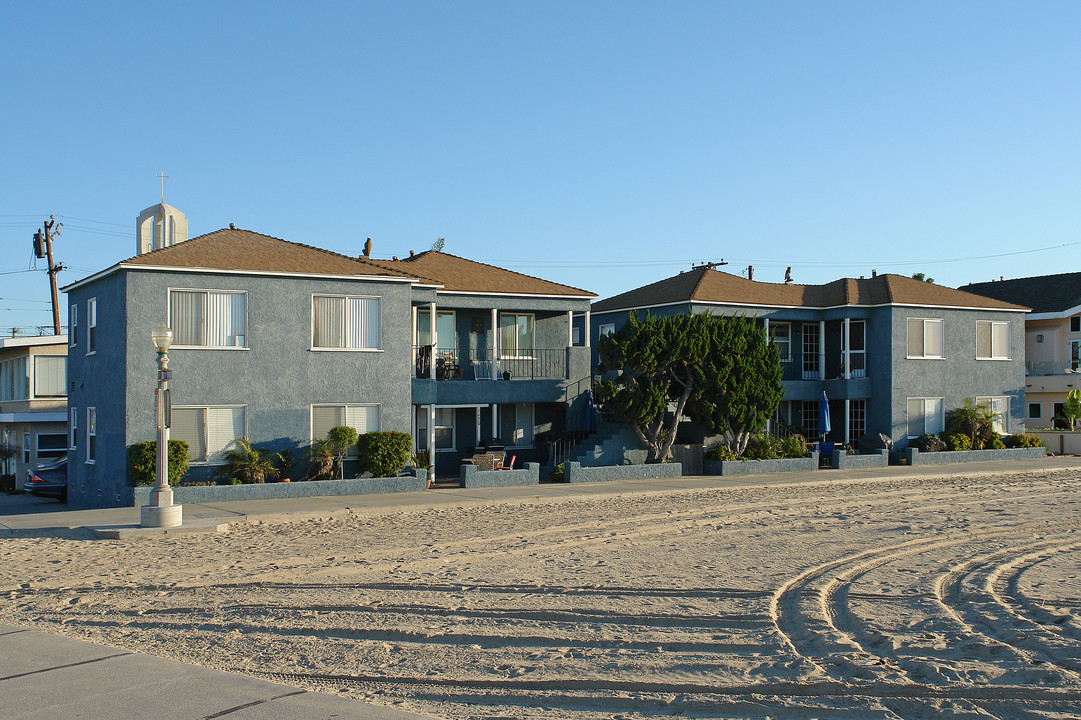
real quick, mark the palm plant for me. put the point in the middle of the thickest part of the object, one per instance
(320, 460)
(341, 438)
(971, 420)
(250, 464)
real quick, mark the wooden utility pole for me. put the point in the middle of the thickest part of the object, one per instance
(43, 248)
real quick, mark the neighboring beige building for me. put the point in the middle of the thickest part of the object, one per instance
(1052, 339)
(33, 401)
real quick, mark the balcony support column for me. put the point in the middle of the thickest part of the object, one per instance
(431, 328)
(495, 336)
(848, 407)
(585, 329)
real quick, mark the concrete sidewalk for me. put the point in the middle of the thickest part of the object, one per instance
(25, 515)
(48, 676)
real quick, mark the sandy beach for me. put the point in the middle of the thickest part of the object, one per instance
(897, 598)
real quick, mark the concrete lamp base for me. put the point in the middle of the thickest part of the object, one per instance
(161, 517)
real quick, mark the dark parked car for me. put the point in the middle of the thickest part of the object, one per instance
(49, 480)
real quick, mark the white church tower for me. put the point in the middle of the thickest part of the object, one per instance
(159, 225)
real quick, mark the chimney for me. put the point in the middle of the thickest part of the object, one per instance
(1001, 278)
(412, 253)
(395, 257)
(232, 226)
(750, 272)
(874, 273)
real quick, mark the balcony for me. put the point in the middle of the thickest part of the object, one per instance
(795, 369)
(457, 364)
(1048, 367)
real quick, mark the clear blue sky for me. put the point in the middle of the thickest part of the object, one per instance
(601, 144)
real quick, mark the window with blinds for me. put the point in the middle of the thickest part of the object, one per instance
(362, 418)
(14, 382)
(208, 431)
(925, 338)
(208, 318)
(515, 335)
(50, 376)
(345, 322)
(992, 340)
(91, 326)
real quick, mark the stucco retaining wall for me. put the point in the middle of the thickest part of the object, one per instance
(575, 473)
(755, 467)
(1060, 441)
(844, 461)
(473, 478)
(274, 491)
(949, 457)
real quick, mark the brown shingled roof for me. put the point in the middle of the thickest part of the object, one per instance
(458, 274)
(232, 249)
(705, 285)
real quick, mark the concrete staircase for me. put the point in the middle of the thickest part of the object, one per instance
(612, 443)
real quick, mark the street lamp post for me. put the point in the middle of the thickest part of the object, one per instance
(161, 512)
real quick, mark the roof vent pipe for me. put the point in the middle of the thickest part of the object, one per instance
(395, 257)
(750, 272)
(412, 253)
(874, 273)
(232, 226)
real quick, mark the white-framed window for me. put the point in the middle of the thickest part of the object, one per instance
(999, 407)
(992, 340)
(345, 322)
(576, 335)
(73, 428)
(208, 318)
(91, 435)
(420, 413)
(925, 338)
(91, 326)
(926, 416)
(14, 379)
(781, 333)
(857, 419)
(810, 351)
(809, 418)
(208, 430)
(50, 376)
(606, 329)
(516, 425)
(857, 351)
(26, 447)
(444, 429)
(1035, 411)
(52, 445)
(73, 325)
(362, 418)
(515, 335)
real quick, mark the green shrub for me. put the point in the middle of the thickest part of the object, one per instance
(762, 447)
(793, 446)
(957, 441)
(996, 443)
(341, 438)
(558, 473)
(384, 454)
(1021, 440)
(929, 443)
(720, 452)
(143, 460)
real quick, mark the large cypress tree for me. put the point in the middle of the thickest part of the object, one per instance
(720, 372)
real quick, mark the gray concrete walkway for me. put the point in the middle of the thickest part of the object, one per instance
(48, 676)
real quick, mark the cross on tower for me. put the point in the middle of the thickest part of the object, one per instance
(162, 176)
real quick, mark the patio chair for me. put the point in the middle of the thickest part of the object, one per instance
(509, 465)
(484, 462)
(482, 370)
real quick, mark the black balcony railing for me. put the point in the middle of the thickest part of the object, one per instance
(458, 364)
(795, 369)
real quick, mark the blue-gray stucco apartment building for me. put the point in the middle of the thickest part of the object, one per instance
(892, 353)
(279, 341)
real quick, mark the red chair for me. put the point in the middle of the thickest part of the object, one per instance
(509, 465)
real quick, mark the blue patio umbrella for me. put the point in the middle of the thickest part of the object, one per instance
(824, 415)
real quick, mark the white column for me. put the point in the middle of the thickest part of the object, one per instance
(495, 337)
(413, 341)
(765, 326)
(495, 421)
(570, 328)
(848, 365)
(821, 349)
(848, 403)
(585, 329)
(476, 412)
(431, 330)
